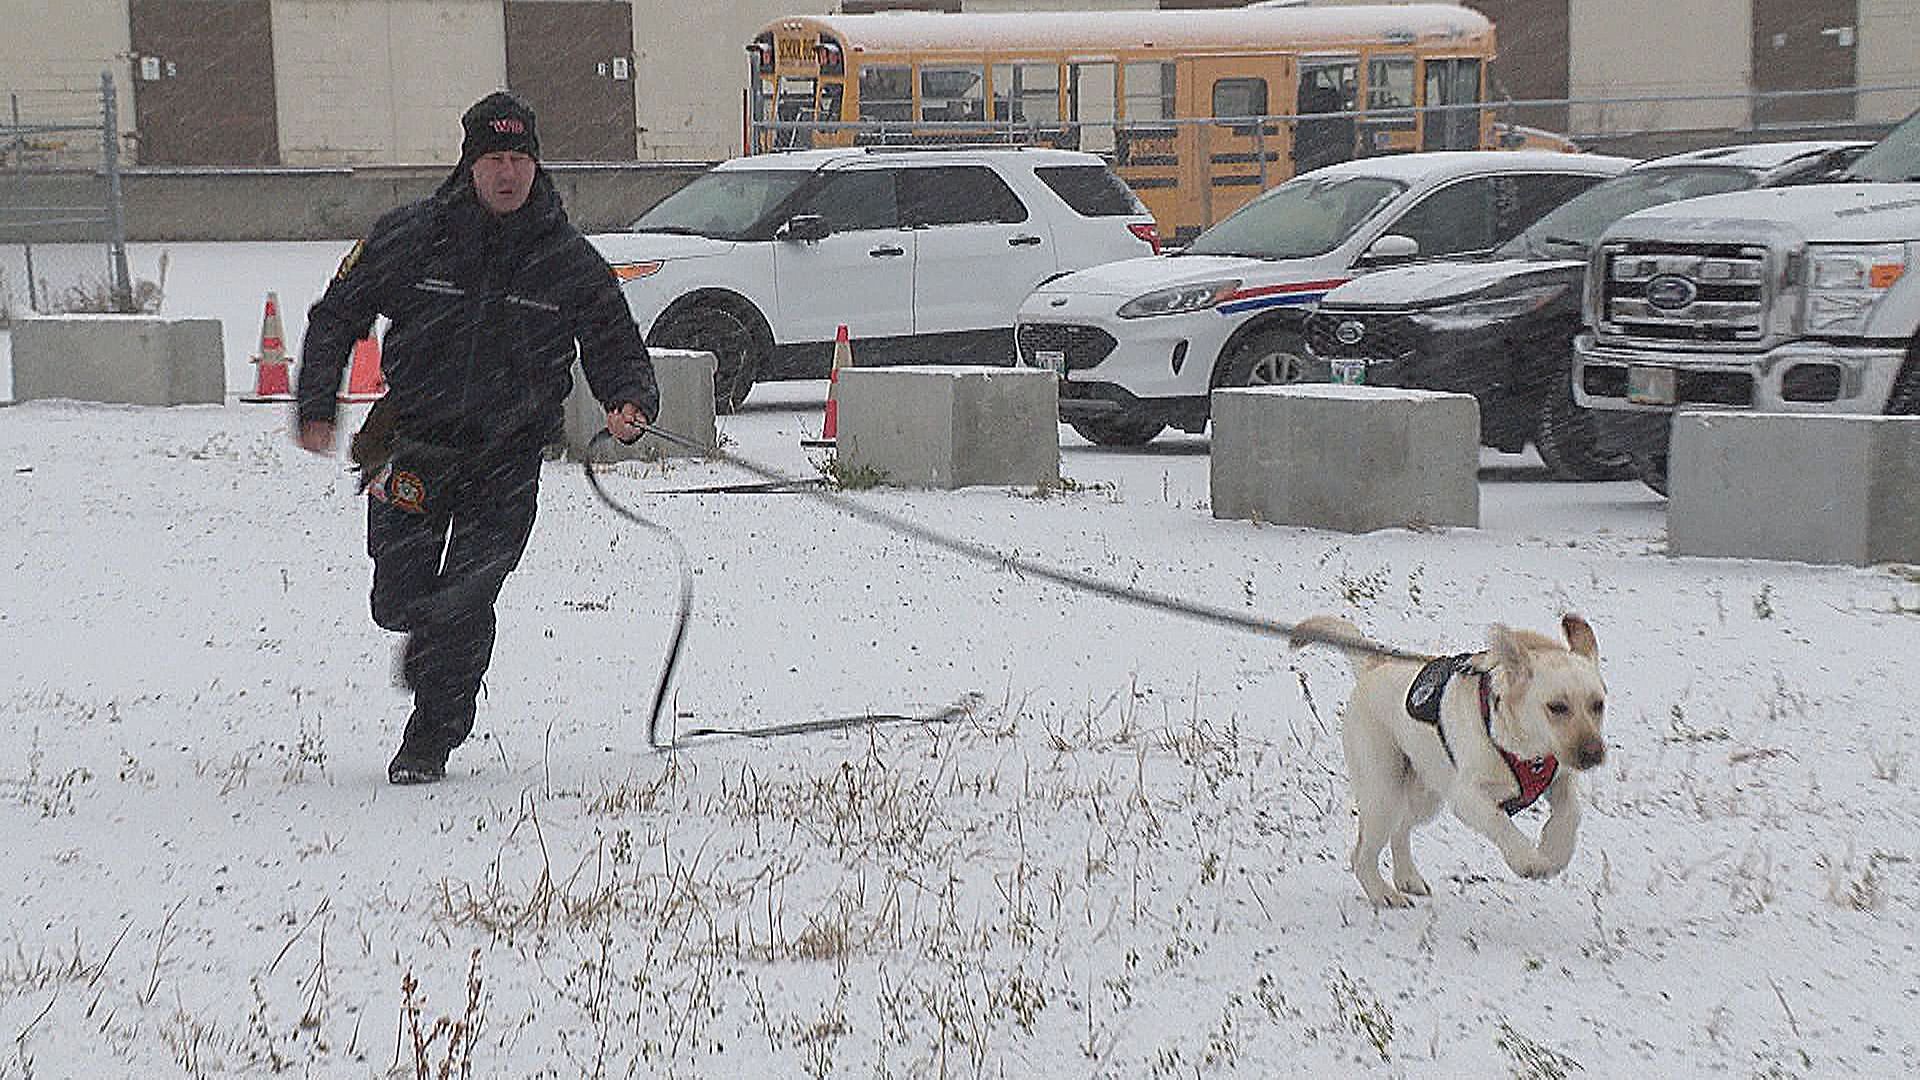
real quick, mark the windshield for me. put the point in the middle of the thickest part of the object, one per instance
(725, 205)
(1573, 227)
(1894, 159)
(1300, 218)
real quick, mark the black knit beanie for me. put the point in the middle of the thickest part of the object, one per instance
(499, 121)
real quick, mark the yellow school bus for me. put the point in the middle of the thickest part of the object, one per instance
(1198, 110)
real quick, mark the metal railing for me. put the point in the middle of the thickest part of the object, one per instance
(1027, 130)
(31, 147)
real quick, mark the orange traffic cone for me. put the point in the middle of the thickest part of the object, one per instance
(842, 357)
(364, 381)
(270, 380)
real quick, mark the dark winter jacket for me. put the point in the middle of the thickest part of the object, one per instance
(484, 314)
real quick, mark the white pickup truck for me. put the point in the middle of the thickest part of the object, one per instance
(1788, 300)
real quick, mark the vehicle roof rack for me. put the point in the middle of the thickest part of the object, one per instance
(905, 148)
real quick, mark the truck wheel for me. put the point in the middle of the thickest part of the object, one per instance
(1652, 471)
(1122, 430)
(1566, 439)
(1905, 399)
(736, 340)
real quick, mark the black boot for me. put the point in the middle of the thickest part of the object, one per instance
(411, 766)
(423, 752)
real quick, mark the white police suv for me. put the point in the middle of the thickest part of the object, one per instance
(923, 253)
(1141, 344)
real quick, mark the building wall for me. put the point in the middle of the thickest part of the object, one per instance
(51, 55)
(382, 81)
(690, 70)
(1889, 56)
(1624, 48)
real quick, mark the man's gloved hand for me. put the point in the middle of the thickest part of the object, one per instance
(626, 422)
(372, 446)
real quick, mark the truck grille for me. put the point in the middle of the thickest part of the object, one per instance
(1084, 346)
(1381, 337)
(1684, 292)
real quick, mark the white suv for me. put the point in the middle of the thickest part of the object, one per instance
(1143, 343)
(923, 254)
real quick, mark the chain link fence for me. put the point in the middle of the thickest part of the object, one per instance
(46, 138)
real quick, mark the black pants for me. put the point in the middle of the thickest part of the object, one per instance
(436, 575)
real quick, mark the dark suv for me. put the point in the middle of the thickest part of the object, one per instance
(1501, 327)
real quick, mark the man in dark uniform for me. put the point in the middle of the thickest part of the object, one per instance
(487, 289)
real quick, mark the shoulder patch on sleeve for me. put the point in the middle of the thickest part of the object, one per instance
(353, 258)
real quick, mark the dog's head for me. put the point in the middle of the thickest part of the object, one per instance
(1552, 699)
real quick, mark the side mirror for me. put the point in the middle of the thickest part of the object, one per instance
(1391, 248)
(805, 228)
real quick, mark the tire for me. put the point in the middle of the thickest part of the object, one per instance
(738, 341)
(1272, 357)
(1905, 399)
(1652, 472)
(1566, 440)
(1122, 430)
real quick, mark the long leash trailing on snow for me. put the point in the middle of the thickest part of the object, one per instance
(773, 479)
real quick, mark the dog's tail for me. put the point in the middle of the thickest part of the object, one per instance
(1340, 634)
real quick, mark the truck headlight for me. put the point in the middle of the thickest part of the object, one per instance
(1471, 314)
(1178, 300)
(1846, 283)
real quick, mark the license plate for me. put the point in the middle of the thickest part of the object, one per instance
(1650, 385)
(1349, 372)
(1054, 360)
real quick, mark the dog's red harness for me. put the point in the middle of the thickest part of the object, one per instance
(1423, 704)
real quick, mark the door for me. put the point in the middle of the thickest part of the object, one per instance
(1450, 82)
(203, 82)
(1804, 45)
(1236, 159)
(573, 62)
(1327, 85)
(860, 275)
(980, 251)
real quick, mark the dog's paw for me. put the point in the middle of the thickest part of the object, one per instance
(1534, 866)
(1411, 883)
(1390, 898)
(1555, 862)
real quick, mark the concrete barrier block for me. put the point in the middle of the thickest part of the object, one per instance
(1795, 487)
(950, 426)
(686, 408)
(1348, 458)
(119, 360)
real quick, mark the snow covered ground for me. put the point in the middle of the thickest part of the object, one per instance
(1128, 862)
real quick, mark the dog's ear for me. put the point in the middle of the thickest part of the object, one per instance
(1509, 651)
(1580, 636)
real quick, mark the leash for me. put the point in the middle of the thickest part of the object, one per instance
(1071, 579)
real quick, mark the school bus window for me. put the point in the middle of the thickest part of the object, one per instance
(1240, 97)
(1149, 93)
(886, 92)
(1090, 104)
(1027, 93)
(1390, 83)
(796, 100)
(1326, 86)
(1452, 82)
(833, 100)
(953, 93)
